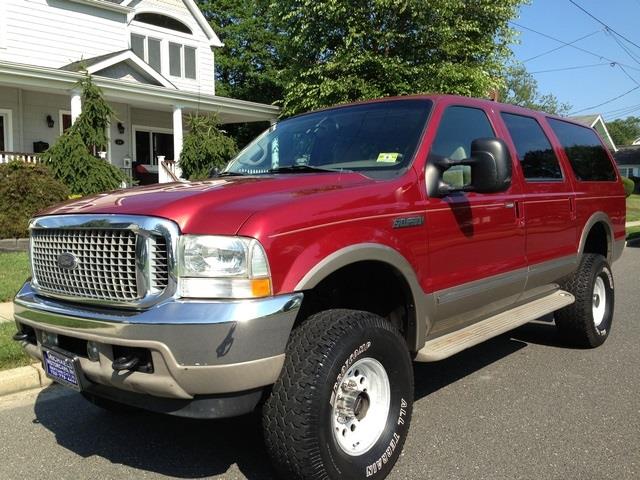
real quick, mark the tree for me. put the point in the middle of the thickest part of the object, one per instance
(342, 50)
(624, 131)
(72, 157)
(247, 65)
(205, 146)
(521, 89)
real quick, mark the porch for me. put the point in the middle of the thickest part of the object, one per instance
(145, 139)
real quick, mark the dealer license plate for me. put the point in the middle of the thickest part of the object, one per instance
(61, 368)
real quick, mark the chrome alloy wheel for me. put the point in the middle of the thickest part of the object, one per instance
(361, 407)
(599, 301)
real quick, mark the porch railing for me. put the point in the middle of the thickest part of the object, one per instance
(6, 157)
(168, 172)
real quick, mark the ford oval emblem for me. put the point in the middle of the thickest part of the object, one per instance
(67, 261)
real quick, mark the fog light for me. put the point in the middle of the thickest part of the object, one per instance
(93, 352)
(50, 339)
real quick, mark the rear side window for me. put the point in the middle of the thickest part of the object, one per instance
(586, 154)
(537, 158)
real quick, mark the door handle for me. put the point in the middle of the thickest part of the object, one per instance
(509, 204)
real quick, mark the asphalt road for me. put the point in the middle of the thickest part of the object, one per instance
(521, 406)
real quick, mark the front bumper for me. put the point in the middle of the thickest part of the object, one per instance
(197, 347)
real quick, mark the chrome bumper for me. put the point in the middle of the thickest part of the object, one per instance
(197, 347)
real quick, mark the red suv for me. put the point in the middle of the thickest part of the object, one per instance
(334, 250)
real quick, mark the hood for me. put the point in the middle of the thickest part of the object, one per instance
(218, 205)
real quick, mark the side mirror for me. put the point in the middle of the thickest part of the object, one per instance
(490, 164)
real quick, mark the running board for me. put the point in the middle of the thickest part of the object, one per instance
(452, 343)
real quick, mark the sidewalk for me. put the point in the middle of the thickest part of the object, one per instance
(632, 224)
(6, 312)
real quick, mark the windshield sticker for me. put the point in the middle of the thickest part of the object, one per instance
(388, 157)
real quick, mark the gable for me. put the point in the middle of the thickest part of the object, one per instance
(124, 71)
(186, 11)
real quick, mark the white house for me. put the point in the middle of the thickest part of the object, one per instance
(153, 59)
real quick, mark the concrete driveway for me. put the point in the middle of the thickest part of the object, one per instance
(521, 406)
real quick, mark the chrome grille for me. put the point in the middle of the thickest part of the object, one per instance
(105, 258)
(159, 264)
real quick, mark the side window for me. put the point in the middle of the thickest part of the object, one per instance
(538, 160)
(459, 126)
(588, 158)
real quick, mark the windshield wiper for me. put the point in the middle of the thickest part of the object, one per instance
(228, 174)
(304, 169)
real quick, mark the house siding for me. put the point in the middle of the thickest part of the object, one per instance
(53, 33)
(36, 107)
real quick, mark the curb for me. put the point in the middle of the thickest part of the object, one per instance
(6, 312)
(22, 378)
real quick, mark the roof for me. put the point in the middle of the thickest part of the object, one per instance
(162, 98)
(628, 155)
(96, 64)
(588, 120)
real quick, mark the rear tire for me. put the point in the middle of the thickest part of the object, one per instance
(587, 322)
(342, 405)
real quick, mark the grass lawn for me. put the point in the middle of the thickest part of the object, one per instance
(14, 270)
(633, 233)
(11, 354)
(633, 208)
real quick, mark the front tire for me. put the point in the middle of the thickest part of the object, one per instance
(342, 405)
(587, 322)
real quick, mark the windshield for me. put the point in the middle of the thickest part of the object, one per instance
(378, 139)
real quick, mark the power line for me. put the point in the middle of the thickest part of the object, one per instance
(561, 46)
(606, 102)
(576, 67)
(604, 24)
(623, 47)
(568, 44)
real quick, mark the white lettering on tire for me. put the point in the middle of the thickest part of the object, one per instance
(376, 466)
(345, 367)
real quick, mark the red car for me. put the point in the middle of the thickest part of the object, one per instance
(334, 250)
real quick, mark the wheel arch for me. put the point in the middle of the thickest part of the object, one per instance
(382, 254)
(598, 220)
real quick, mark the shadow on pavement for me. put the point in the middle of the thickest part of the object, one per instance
(176, 447)
(187, 448)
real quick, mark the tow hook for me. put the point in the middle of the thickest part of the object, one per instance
(125, 363)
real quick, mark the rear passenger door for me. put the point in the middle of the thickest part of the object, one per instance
(548, 204)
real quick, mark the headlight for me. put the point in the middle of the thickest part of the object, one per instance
(222, 267)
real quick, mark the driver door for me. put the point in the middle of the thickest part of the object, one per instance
(477, 263)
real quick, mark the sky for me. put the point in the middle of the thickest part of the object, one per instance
(598, 82)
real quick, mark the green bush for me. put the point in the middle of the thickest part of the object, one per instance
(72, 158)
(205, 146)
(25, 189)
(84, 174)
(629, 186)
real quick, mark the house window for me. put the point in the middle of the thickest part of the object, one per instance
(6, 132)
(64, 120)
(148, 49)
(163, 21)
(182, 61)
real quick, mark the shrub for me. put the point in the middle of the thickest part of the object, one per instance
(629, 186)
(72, 158)
(25, 189)
(84, 174)
(205, 146)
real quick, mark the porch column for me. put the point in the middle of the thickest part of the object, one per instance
(76, 105)
(177, 132)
